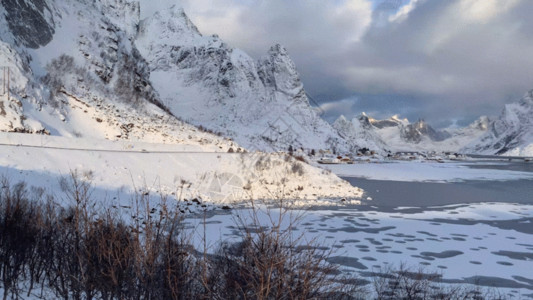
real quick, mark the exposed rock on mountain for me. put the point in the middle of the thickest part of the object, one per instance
(82, 76)
(393, 121)
(31, 22)
(88, 70)
(97, 52)
(414, 133)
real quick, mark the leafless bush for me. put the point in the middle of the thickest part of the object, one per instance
(300, 158)
(297, 168)
(406, 283)
(79, 252)
(263, 162)
(271, 262)
(17, 235)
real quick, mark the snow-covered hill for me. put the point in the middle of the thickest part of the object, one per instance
(511, 133)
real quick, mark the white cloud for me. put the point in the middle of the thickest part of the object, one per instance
(404, 11)
(484, 10)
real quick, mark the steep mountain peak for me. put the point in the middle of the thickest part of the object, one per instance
(393, 121)
(278, 71)
(341, 119)
(172, 25)
(527, 100)
(278, 49)
(421, 125)
(397, 118)
(417, 131)
(177, 20)
(261, 104)
(364, 120)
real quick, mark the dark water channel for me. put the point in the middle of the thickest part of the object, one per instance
(388, 194)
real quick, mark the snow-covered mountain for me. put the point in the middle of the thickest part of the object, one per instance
(511, 133)
(261, 104)
(401, 135)
(95, 69)
(414, 133)
(393, 121)
(117, 96)
(101, 49)
(361, 130)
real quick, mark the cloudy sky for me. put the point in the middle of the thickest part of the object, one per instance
(447, 62)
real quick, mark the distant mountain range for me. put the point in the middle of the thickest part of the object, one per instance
(509, 134)
(395, 134)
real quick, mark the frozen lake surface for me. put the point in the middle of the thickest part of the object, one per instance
(471, 221)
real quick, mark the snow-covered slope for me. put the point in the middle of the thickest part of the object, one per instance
(16, 85)
(262, 105)
(511, 133)
(361, 130)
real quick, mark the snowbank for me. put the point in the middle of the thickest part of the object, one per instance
(119, 169)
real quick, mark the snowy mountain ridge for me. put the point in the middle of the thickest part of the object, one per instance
(511, 133)
(100, 53)
(398, 134)
(261, 104)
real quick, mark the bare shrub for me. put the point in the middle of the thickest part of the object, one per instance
(408, 283)
(79, 252)
(271, 262)
(300, 158)
(17, 235)
(297, 168)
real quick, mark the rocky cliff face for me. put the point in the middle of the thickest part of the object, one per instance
(511, 133)
(100, 52)
(31, 23)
